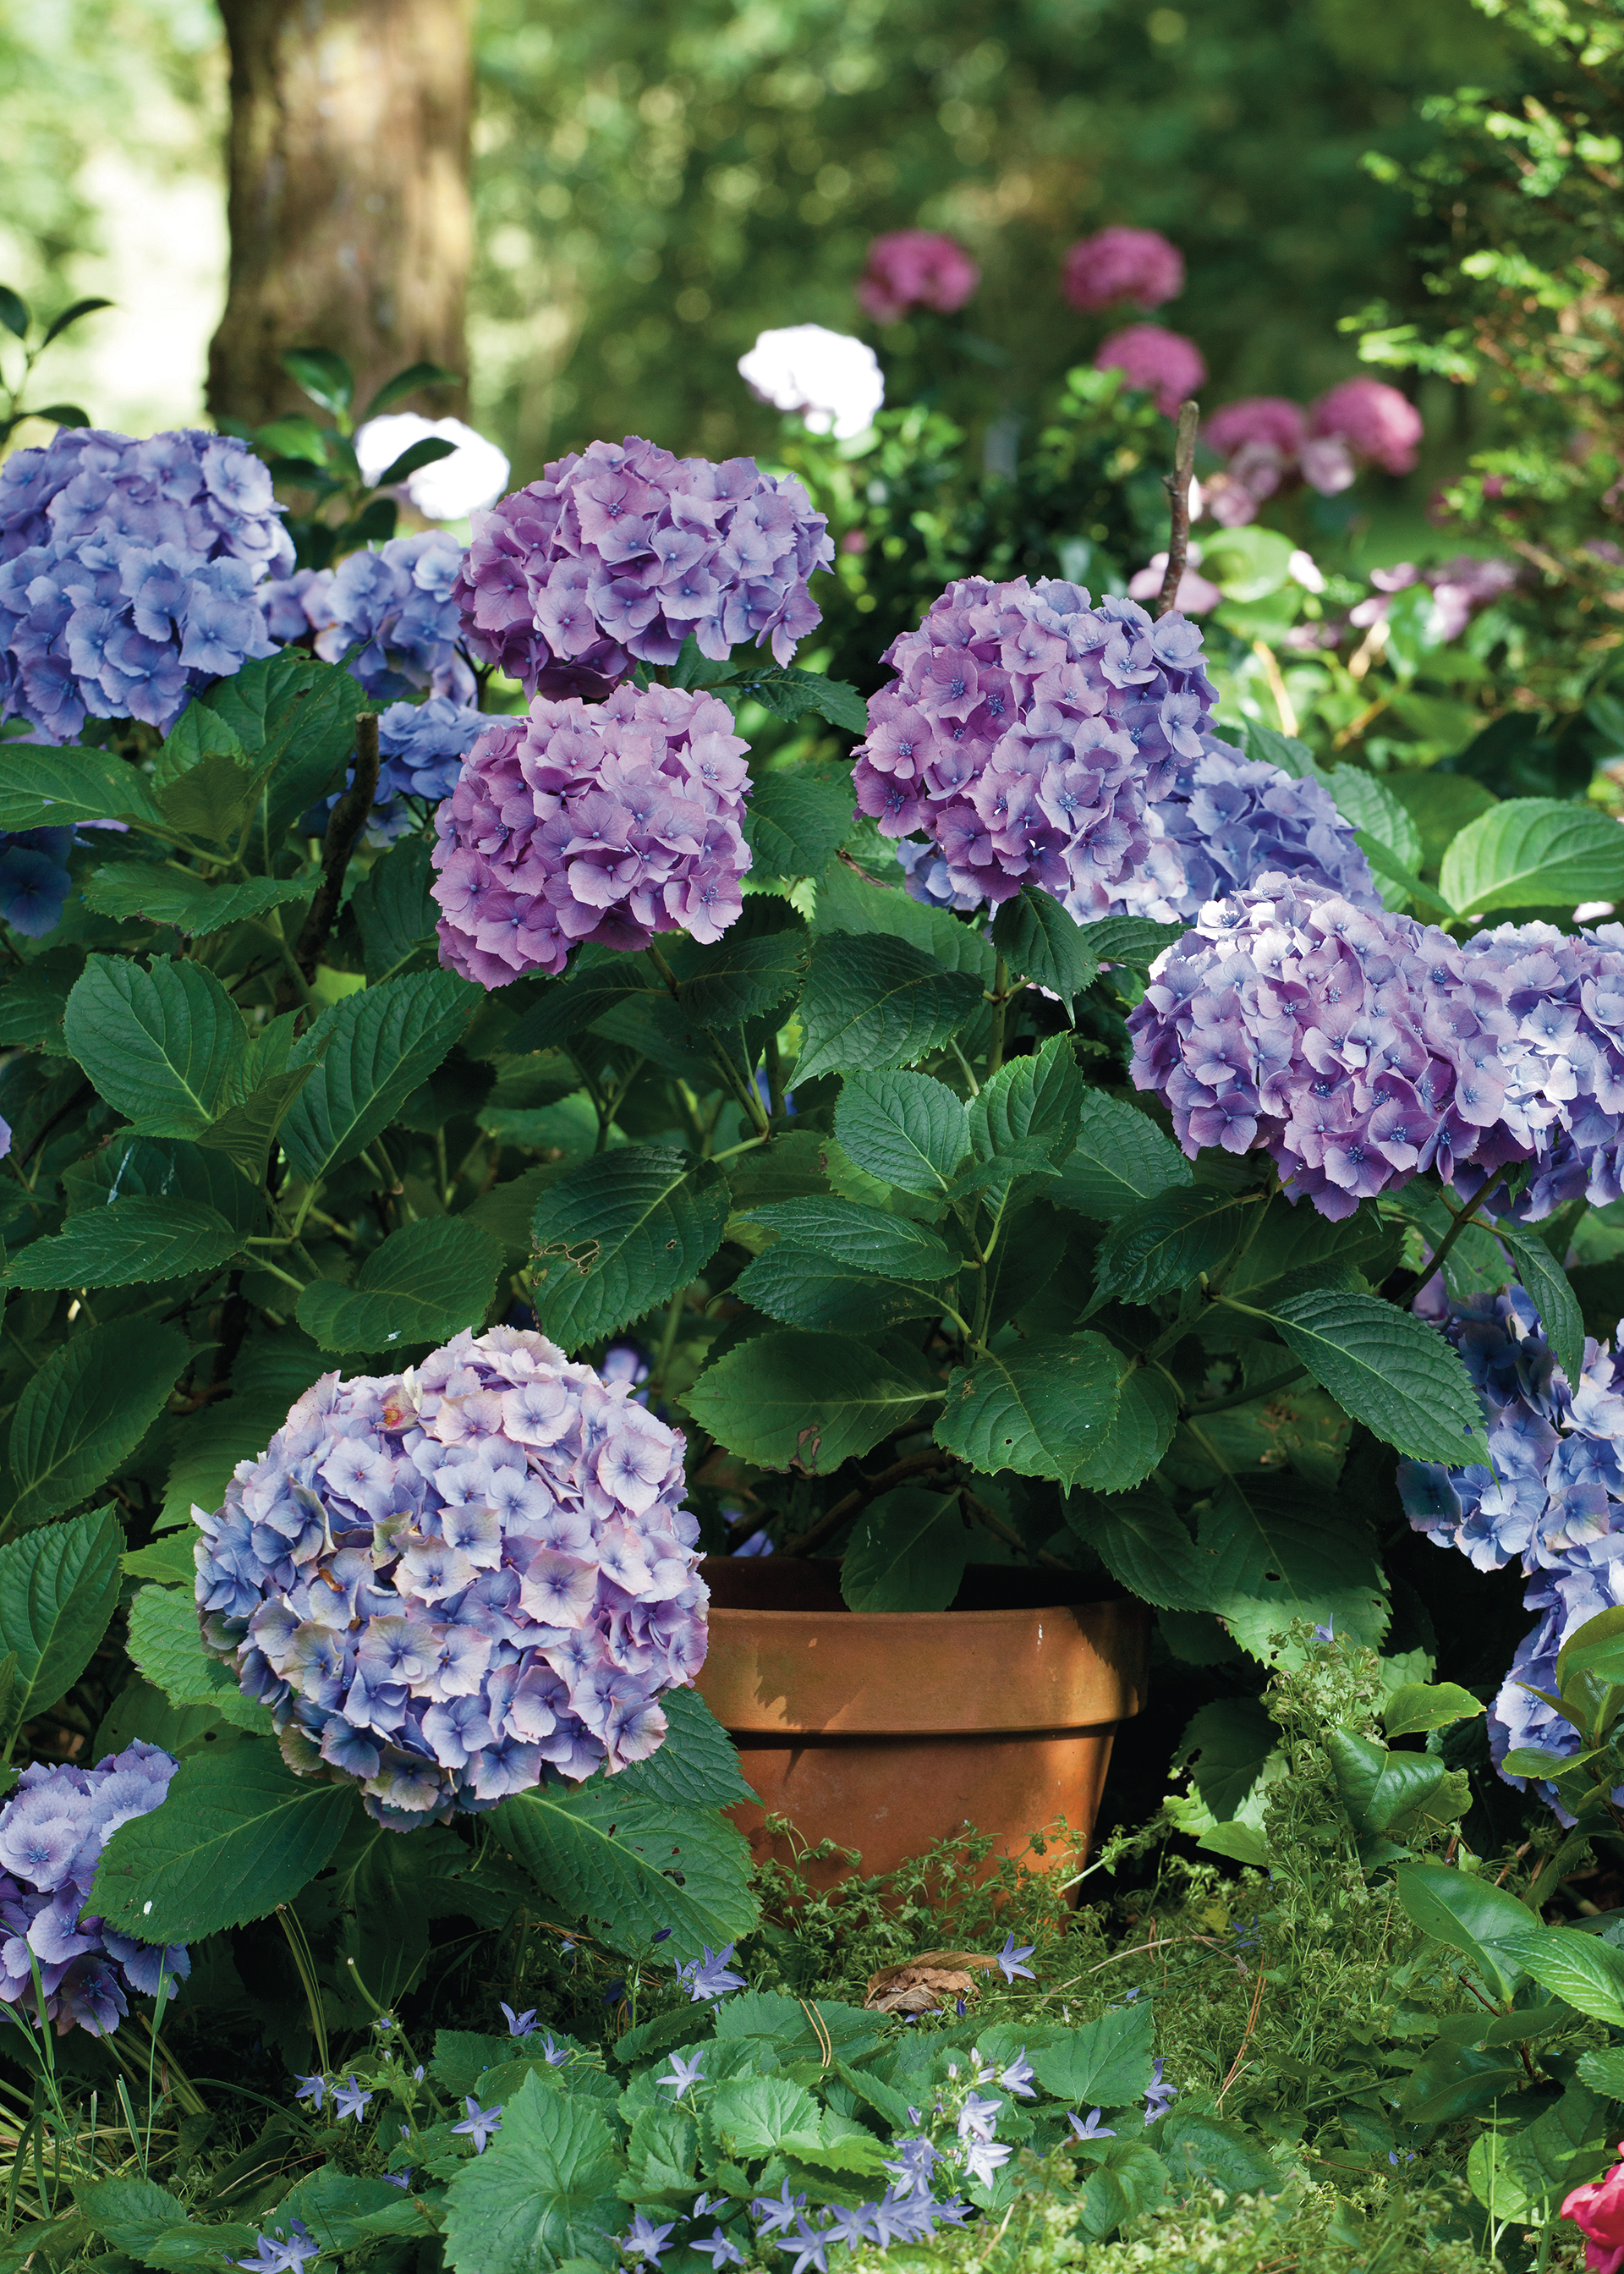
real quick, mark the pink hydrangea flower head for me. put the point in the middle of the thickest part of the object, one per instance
(1377, 423)
(915, 269)
(1360, 1049)
(455, 1583)
(1031, 738)
(1162, 363)
(1122, 264)
(619, 552)
(1597, 2209)
(1271, 419)
(608, 822)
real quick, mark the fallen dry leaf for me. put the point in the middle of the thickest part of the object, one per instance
(926, 1983)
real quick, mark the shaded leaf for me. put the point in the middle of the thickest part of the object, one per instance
(796, 819)
(424, 1284)
(88, 1407)
(126, 1243)
(906, 1553)
(163, 1045)
(810, 1398)
(370, 1051)
(905, 1129)
(1390, 1370)
(1041, 1408)
(872, 1003)
(618, 1235)
(630, 1866)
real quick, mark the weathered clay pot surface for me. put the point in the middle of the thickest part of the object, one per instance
(888, 1731)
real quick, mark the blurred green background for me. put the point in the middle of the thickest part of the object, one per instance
(657, 180)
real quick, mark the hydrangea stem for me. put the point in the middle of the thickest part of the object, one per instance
(1000, 1011)
(744, 1091)
(348, 819)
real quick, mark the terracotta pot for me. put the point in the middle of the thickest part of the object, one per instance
(888, 1731)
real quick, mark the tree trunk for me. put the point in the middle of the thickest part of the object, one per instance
(349, 197)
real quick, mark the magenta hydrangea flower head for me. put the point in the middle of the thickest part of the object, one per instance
(1271, 419)
(1122, 264)
(453, 1583)
(1552, 1502)
(1162, 363)
(52, 1832)
(619, 553)
(391, 609)
(130, 575)
(915, 269)
(1360, 1049)
(608, 822)
(1377, 423)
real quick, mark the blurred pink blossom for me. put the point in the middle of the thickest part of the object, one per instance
(1375, 421)
(1165, 364)
(1196, 595)
(1122, 264)
(1269, 419)
(915, 269)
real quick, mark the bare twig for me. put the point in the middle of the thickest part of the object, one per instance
(344, 827)
(1178, 486)
(1251, 2023)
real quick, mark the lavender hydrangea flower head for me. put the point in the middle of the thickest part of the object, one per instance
(397, 603)
(620, 553)
(1026, 732)
(451, 1584)
(130, 575)
(1360, 1049)
(52, 1832)
(1035, 740)
(605, 822)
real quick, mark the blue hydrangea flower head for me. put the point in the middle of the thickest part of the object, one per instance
(421, 747)
(1360, 1049)
(131, 575)
(451, 1584)
(1552, 1502)
(392, 604)
(52, 1832)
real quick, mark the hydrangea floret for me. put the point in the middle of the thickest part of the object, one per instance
(52, 1832)
(450, 1584)
(1359, 1048)
(607, 822)
(1553, 1502)
(1034, 739)
(620, 553)
(130, 575)
(390, 609)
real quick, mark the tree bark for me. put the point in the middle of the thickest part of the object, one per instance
(348, 194)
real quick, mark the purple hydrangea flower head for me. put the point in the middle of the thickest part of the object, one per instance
(608, 822)
(130, 575)
(52, 1832)
(1033, 739)
(618, 553)
(395, 604)
(1165, 365)
(451, 1584)
(1360, 1049)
